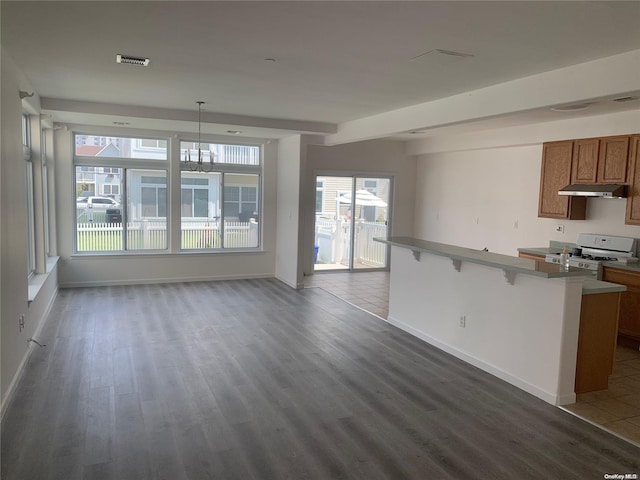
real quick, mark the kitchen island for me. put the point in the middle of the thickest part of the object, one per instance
(516, 318)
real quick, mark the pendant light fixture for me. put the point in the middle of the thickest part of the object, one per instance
(199, 165)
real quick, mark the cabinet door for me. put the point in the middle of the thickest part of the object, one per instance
(629, 320)
(556, 173)
(633, 202)
(584, 166)
(613, 160)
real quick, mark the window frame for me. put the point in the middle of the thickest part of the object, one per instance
(222, 168)
(29, 194)
(320, 187)
(172, 167)
(105, 165)
(134, 139)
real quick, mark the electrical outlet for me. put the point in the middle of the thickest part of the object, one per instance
(560, 228)
(515, 224)
(20, 323)
(463, 321)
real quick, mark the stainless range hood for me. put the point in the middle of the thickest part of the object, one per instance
(594, 190)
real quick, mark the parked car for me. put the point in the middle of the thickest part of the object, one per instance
(96, 203)
(98, 209)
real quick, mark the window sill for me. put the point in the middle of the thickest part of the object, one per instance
(107, 255)
(37, 281)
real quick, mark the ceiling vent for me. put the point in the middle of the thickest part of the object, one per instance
(571, 108)
(625, 99)
(441, 57)
(143, 62)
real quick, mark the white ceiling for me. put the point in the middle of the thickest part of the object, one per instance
(335, 62)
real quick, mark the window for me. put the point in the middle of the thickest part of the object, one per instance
(370, 185)
(222, 154)
(45, 191)
(29, 192)
(240, 202)
(130, 211)
(111, 189)
(152, 143)
(221, 209)
(120, 147)
(154, 196)
(319, 196)
(123, 196)
(195, 194)
(368, 212)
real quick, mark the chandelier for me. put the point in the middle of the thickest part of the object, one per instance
(198, 165)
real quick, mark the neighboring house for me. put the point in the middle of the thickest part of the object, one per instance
(200, 194)
(98, 181)
(329, 189)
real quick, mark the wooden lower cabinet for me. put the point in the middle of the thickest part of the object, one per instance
(530, 256)
(597, 337)
(629, 319)
(596, 341)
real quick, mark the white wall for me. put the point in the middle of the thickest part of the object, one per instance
(481, 190)
(14, 288)
(373, 157)
(94, 270)
(508, 332)
(287, 268)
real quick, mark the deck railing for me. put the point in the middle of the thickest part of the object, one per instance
(333, 241)
(370, 252)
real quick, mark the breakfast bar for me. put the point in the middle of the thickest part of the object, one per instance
(516, 318)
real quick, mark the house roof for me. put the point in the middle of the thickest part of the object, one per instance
(344, 70)
(89, 150)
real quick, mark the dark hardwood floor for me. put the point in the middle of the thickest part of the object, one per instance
(253, 380)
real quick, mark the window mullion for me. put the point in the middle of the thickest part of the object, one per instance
(222, 220)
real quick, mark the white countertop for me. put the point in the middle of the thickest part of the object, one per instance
(496, 260)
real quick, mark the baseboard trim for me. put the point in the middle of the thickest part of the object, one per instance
(25, 358)
(487, 367)
(149, 281)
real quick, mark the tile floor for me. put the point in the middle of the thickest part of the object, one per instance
(616, 409)
(367, 290)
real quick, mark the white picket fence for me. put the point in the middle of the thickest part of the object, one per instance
(333, 240)
(152, 235)
(199, 235)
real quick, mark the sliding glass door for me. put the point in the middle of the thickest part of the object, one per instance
(350, 212)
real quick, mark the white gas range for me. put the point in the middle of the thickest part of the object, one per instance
(594, 249)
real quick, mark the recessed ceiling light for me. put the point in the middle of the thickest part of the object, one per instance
(571, 108)
(234, 132)
(142, 61)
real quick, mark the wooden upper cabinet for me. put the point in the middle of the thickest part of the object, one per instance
(613, 160)
(633, 200)
(584, 167)
(555, 174)
(600, 160)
